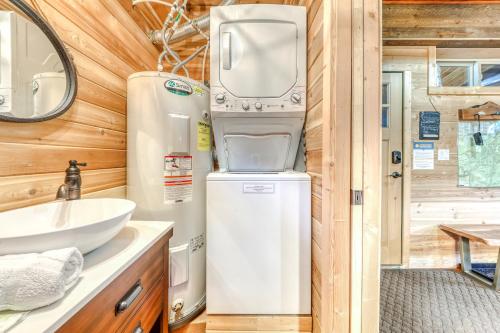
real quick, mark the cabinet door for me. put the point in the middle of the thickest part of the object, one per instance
(258, 58)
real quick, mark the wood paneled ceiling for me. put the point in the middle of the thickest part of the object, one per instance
(440, 2)
(442, 25)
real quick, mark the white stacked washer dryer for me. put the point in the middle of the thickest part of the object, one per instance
(258, 208)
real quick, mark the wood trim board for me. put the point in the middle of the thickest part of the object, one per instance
(372, 181)
(336, 167)
(259, 323)
(357, 149)
(490, 91)
(407, 158)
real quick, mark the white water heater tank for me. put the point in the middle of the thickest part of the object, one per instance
(168, 159)
(48, 91)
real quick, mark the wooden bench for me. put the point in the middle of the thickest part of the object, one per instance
(488, 234)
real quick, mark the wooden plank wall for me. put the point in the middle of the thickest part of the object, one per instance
(436, 198)
(343, 84)
(314, 145)
(369, 38)
(314, 141)
(435, 195)
(107, 46)
(449, 25)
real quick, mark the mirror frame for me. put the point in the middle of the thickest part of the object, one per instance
(66, 59)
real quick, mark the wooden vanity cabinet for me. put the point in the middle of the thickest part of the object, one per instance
(132, 302)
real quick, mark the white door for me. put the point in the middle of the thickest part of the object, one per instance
(392, 168)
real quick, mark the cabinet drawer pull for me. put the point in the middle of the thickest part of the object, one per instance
(138, 329)
(129, 298)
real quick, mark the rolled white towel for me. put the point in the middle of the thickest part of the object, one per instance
(29, 281)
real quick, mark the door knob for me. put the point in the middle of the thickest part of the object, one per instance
(396, 174)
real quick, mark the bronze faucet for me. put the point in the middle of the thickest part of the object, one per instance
(71, 189)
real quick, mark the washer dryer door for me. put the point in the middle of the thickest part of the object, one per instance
(258, 58)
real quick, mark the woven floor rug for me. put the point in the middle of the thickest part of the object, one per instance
(429, 301)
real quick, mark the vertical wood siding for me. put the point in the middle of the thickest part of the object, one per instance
(314, 141)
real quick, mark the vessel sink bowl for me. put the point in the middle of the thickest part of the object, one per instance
(85, 224)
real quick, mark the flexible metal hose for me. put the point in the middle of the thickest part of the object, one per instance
(191, 28)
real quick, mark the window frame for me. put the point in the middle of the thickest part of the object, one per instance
(474, 71)
(434, 87)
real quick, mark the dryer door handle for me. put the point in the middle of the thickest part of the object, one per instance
(226, 50)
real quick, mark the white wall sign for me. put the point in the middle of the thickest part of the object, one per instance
(443, 154)
(423, 156)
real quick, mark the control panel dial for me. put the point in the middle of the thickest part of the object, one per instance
(295, 98)
(220, 98)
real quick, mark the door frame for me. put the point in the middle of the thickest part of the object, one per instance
(407, 161)
(407, 152)
(351, 167)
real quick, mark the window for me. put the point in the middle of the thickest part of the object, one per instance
(468, 74)
(490, 75)
(455, 74)
(478, 164)
(385, 105)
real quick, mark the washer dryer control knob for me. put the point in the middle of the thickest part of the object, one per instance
(245, 106)
(295, 98)
(258, 106)
(220, 98)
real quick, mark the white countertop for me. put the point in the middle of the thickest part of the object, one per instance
(100, 268)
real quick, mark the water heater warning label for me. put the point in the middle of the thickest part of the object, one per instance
(178, 179)
(203, 143)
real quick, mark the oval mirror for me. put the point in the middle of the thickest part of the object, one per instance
(37, 76)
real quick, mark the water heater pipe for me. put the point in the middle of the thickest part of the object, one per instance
(190, 28)
(188, 59)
